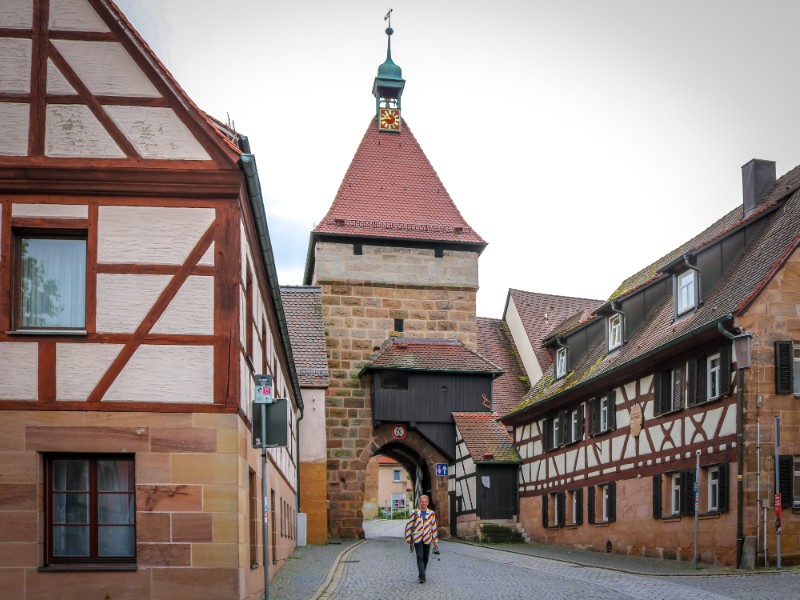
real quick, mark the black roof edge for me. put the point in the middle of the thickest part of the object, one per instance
(247, 162)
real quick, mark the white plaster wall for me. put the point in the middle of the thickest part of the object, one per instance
(74, 15)
(106, 68)
(192, 309)
(19, 371)
(157, 132)
(72, 130)
(728, 422)
(56, 82)
(523, 343)
(124, 300)
(469, 501)
(79, 368)
(150, 235)
(14, 119)
(15, 65)
(313, 446)
(208, 257)
(16, 13)
(59, 211)
(175, 374)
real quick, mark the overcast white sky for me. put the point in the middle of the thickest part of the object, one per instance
(582, 139)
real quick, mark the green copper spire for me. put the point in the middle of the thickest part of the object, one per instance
(388, 86)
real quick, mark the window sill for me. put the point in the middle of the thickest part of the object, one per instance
(61, 332)
(671, 518)
(572, 526)
(602, 523)
(710, 515)
(86, 568)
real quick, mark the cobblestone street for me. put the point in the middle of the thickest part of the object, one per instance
(381, 568)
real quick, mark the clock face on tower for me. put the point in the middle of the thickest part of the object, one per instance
(389, 119)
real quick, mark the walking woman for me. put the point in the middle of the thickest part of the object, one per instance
(421, 532)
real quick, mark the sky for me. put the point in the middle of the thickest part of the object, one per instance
(582, 139)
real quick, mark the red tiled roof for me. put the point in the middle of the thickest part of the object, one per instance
(430, 355)
(747, 276)
(540, 313)
(391, 190)
(385, 460)
(487, 440)
(303, 309)
(496, 344)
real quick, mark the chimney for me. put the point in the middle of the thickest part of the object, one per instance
(757, 177)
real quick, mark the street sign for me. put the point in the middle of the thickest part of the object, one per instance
(263, 393)
(441, 469)
(276, 433)
(398, 431)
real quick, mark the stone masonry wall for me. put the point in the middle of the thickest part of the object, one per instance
(435, 297)
(773, 316)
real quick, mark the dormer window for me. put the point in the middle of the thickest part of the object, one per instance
(686, 291)
(614, 331)
(561, 363)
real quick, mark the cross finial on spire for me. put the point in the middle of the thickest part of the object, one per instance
(388, 17)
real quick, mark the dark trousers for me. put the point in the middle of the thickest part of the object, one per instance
(423, 552)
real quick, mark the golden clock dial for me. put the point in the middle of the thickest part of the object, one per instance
(389, 119)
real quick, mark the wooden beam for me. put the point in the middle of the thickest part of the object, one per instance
(155, 312)
(94, 105)
(38, 108)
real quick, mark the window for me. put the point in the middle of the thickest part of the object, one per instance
(603, 413)
(553, 509)
(396, 475)
(358, 249)
(255, 515)
(576, 506)
(90, 504)
(713, 489)
(398, 325)
(675, 496)
(668, 390)
(787, 368)
(394, 381)
(796, 478)
(787, 471)
(555, 427)
(603, 502)
(561, 363)
(50, 282)
(576, 424)
(686, 291)
(614, 331)
(712, 377)
(680, 493)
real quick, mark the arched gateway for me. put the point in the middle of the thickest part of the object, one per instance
(397, 266)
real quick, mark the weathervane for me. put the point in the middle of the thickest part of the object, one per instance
(388, 17)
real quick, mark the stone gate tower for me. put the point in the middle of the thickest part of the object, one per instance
(394, 258)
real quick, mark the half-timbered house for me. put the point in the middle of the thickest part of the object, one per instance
(647, 390)
(138, 296)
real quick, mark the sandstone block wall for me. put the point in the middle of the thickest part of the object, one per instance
(192, 504)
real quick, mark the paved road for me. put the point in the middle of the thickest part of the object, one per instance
(381, 568)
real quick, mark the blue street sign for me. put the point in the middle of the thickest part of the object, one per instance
(441, 469)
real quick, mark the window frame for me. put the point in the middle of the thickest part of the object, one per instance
(561, 362)
(615, 337)
(675, 495)
(685, 286)
(94, 559)
(713, 377)
(602, 414)
(396, 475)
(605, 497)
(576, 433)
(713, 489)
(18, 235)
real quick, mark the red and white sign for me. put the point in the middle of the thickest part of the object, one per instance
(399, 431)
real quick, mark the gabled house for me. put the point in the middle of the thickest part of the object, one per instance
(303, 308)
(138, 297)
(649, 386)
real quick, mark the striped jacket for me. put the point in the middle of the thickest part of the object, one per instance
(424, 529)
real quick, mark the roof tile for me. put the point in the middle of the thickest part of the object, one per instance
(486, 438)
(303, 309)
